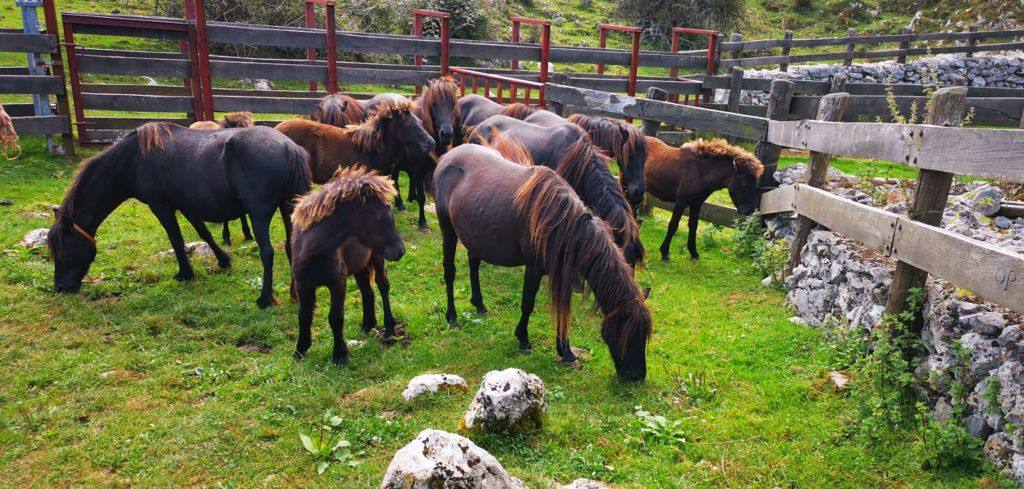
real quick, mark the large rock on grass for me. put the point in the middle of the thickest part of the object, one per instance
(508, 400)
(421, 384)
(35, 238)
(437, 459)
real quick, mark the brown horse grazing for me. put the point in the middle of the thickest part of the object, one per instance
(339, 110)
(375, 143)
(344, 228)
(625, 143)
(512, 215)
(688, 175)
(206, 175)
(566, 149)
(232, 119)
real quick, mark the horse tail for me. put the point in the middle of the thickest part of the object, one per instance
(518, 111)
(742, 159)
(553, 213)
(151, 136)
(299, 176)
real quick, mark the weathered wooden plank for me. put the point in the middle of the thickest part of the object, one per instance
(804, 58)
(995, 274)
(111, 65)
(986, 153)
(778, 200)
(128, 123)
(20, 110)
(266, 35)
(123, 31)
(410, 76)
(296, 71)
(698, 118)
(40, 84)
(713, 213)
(871, 40)
(34, 126)
(138, 103)
(27, 43)
(871, 226)
(266, 105)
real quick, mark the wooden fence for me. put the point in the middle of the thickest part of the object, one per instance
(751, 53)
(989, 271)
(46, 82)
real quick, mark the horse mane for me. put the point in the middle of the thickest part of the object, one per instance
(369, 136)
(238, 119)
(151, 136)
(586, 170)
(518, 110)
(570, 242)
(441, 90)
(352, 183)
(510, 147)
(339, 110)
(619, 139)
(742, 159)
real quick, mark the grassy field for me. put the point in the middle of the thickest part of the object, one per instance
(145, 381)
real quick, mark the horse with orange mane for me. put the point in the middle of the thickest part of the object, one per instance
(688, 175)
(344, 228)
(232, 119)
(375, 144)
(512, 215)
(206, 175)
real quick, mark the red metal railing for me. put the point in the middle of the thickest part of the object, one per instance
(712, 36)
(499, 83)
(634, 56)
(330, 27)
(545, 48)
(417, 30)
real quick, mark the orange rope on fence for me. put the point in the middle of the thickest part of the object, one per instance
(9, 146)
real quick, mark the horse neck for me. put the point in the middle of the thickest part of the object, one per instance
(326, 235)
(602, 193)
(100, 189)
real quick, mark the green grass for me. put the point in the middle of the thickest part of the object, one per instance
(138, 379)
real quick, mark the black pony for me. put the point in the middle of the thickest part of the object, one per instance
(209, 176)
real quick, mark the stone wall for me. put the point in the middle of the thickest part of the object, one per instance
(841, 283)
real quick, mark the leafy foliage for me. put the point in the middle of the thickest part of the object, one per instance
(658, 17)
(329, 446)
(658, 428)
(768, 257)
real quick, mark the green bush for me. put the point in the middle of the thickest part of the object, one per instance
(658, 17)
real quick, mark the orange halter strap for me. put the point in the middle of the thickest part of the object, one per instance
(78, 229)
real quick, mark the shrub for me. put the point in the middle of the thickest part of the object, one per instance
(658, 17)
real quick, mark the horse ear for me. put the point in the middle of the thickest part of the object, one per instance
(646, 292)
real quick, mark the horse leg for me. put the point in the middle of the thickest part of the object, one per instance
(225, 234)
(565, 351)
(691, 238)
(366, 292)
(477, 299)
(166, 217)
(448, 243)
(223, 260)
(395, 173)
(307, 304)
(286, 218)
(261, 230)
(246, 233)
(531, 283)
(384, 287)
(336, 318)
(673, 225)
(421, 197)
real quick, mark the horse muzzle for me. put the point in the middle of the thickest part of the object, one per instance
(394, 252)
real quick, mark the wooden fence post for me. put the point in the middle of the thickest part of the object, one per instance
(948, 105)
(735, 90)
(850, 48)
(787, 37)
(972, 42)
(650, 127)
(904, 45)
(779, 98)
(830, 108)
(736, 37)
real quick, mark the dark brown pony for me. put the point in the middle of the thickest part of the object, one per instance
(344, 228)
(688, 175)
(205, 175)
(375, 143)
(565, 148)
(625, 143)
(513, 215)
(339, 110)
(232, 119)
(474, 109)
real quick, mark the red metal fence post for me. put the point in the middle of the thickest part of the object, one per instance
(417, 30)
(76, 83)
(202, 48)
(634, 55)
(311, 52)
(712, 47)
(331, 26)
(545, 49)
(194, 81)
(601, 43)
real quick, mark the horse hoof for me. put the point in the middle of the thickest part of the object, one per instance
(574, 364)
(664, 257)
(423, 227)
(368, 328)
(264, 303)
(481, 311)
(184, 277)
(694, 258)
(224, 265)
(340, 361)
(453, 323)
(525, 350)
(298, 356)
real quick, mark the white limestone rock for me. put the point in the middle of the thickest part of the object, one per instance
(422, 384)
(438, 459)
(508, 400)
